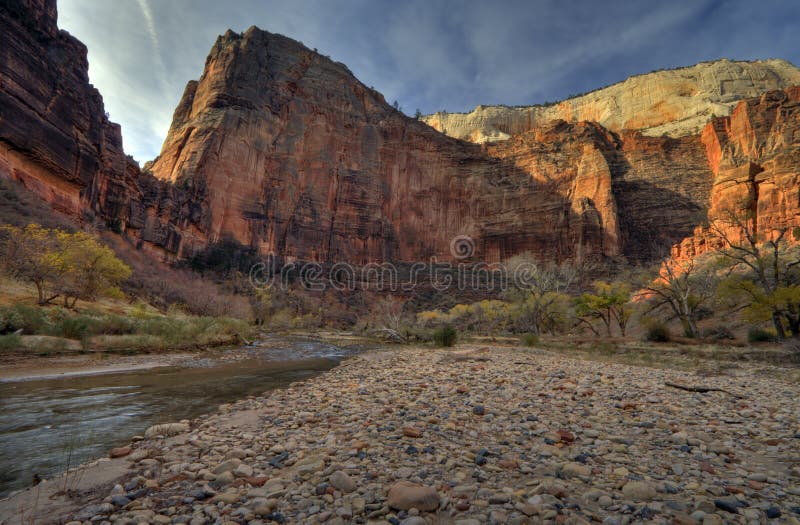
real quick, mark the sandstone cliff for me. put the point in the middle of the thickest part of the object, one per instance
(755, 157)
(56, 140)
(301, 159)
(54, 136)
(284, 150)
(675, 102)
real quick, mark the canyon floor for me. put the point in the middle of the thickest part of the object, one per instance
(469, 435)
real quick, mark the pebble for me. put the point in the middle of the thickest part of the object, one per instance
(638, 491)
(420, 435)
(341, 481)
(405, 495)
(120, 452)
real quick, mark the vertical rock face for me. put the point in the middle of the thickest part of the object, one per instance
(755, 156)
(54, 135)
(301, 159)
(284, 150)
(676, 102)
(298, 158)
(56, 139)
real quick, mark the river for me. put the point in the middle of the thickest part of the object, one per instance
(49, 425)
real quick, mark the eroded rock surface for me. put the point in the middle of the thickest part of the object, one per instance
(676, 102)
(284, 150)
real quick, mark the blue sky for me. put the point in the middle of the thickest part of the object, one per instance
(430, 55)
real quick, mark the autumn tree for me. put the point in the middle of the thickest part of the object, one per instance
(610, 302)
(86, 267)
(762, 269)
(24, 252)
(538, 292)
(60, 264)
(684, 290)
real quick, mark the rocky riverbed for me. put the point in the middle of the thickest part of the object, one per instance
(416, 436)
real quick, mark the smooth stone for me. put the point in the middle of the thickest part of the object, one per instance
(639, 491)
(166, 429)
(342, 481)
(405, 495)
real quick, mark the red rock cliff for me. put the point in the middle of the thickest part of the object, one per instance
(755, 157)
(56, 140)
(285, 150)
(301, 159)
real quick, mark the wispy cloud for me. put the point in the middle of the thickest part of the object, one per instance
(144, 5)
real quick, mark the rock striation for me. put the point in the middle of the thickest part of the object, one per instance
(282, 149)
(56, 139)
(754, 155)
(676, 102)
(301, 159)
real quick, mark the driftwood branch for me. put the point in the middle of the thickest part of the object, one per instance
(701, 389)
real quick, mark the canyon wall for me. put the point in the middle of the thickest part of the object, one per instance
(57, 141)
(282, 149)
(754, 155)
(676, 102)
(299, 158)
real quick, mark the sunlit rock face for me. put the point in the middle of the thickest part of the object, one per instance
(301, 159)
(284, 150)
(676, 102)
(754, 155)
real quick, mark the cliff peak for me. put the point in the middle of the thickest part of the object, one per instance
(674, 102)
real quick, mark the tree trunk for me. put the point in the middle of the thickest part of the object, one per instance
(776, 320)
(40, 291)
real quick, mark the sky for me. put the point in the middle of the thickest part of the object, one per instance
(427, 54)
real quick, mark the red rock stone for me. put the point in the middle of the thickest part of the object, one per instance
(412, 432)
(565, 436)
(284, 150)
(509, 464)
(256, 481)
(120, 452)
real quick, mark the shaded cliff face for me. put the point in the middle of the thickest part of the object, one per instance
(755, 157)
(56, 140)
(300, 159)
(54, 136)
(675, 102)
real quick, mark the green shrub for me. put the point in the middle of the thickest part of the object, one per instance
(656, 332)
(529, 339)
(759, 335)
(603, 347)
(114, 325)
(29, 319)
(445, 336)
(127, 342)
(10, 342)
(76, 327)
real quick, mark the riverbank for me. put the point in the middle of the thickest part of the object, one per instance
(503, 435)
(31, 368)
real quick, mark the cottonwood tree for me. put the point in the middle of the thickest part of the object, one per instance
(24, 252)
(684, 290)
(86, 268)
(538, 292)
(610, 303)
(762, 269)
(60, 264)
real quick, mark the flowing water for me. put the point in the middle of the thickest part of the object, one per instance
(49, 425)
